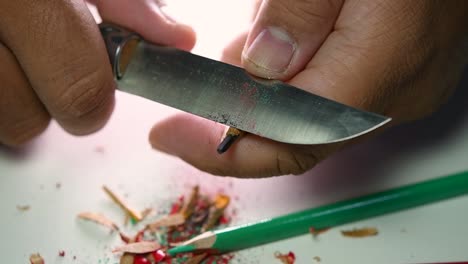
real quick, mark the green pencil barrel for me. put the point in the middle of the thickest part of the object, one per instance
(339, 213)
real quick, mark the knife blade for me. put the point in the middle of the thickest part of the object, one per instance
(229, 95)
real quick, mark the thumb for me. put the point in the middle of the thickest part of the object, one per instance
(286, 34)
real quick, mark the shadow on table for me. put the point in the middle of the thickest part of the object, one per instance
(355, 169)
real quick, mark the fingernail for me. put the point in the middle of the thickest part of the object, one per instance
(272, 50)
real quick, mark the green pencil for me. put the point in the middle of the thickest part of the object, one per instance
(274, 229)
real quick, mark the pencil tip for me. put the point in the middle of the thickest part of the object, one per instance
(226, 143)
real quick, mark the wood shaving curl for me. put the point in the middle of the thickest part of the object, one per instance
(167, 221)
(99, 219)
(197, 259)
(120, 201)
(23, 208)
(138, 247)
(36, 259)
(360, 232)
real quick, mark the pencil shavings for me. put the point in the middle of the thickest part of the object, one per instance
(222, 201)
(167, 221)
(147, 212)
(127, 259)
(23, 208)
(138, 247)
(361, 232)
(289, 258)
(316, 232)
(196, 259)
(120, 201)
(189, 207)
(215, 213)
(185, 220)
(98, 219)
(36, 259)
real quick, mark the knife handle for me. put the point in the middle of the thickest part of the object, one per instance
(120, 45)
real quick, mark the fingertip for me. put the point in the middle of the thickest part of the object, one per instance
(151, 22)
(232, 53)
(195, 140)
(180, 134)
(184, 37)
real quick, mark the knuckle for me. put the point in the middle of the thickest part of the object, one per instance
(291, 162)
(19, 133)
(307, 11)
(84, 96)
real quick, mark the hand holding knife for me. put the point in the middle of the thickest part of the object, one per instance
(229, 95)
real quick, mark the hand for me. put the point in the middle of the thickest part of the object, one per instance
(54, 63)
(395, 57)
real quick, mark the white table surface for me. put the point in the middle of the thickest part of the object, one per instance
(120, 157)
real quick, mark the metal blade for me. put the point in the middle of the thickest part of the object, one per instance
(228, 95)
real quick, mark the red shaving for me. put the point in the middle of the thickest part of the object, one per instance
(224, 259)
(62, 253)
(289, 258)
(175, 208)
(223, 220)
(139, 236)
(158, 255)
(141, 260)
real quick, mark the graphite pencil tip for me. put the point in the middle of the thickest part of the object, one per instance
(226, 143)
(231, 136)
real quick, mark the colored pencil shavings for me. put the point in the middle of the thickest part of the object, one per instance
(189, 206)
(361, 232)
(167, 221)
(216, 211)
(316, 232)
(36, 259)
(141, 260)
(99, 219)
(147, 212)
(134, 214)
(23, 208)
(138, 247)
(127, 259)
(186, 219)
(196, 259)
(288, 258)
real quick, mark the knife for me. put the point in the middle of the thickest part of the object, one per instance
(228, 94)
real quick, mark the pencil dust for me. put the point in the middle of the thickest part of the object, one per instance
(23, 208)
(185, 220)
(361, 232)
